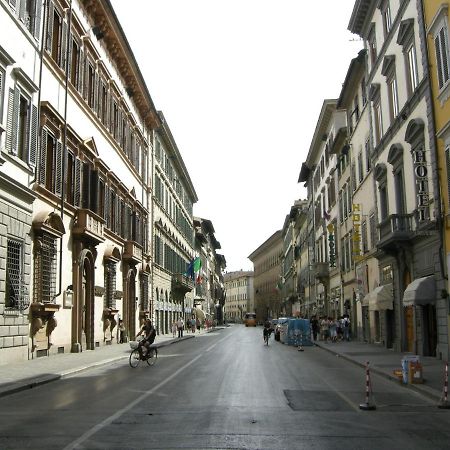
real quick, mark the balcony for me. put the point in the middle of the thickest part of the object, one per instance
(181, 285)
(396, 229)
(88, 226)
(321, 270)
(132, 252)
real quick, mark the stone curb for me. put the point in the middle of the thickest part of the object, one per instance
(40, 380)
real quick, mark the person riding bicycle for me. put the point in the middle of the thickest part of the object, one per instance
(149, 332)
(267, 329)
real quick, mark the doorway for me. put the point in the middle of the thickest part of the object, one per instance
(429, 330)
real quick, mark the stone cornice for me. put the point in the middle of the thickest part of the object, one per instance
(102, 15)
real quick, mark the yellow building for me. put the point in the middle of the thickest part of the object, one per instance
(437, 31)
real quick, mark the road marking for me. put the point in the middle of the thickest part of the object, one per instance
(85, 436)
(218, 342)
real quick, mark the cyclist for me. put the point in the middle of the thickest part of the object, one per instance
(267, 330)
(149, 332)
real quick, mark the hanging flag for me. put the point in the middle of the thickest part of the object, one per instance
(197, 264)
(190, 271)
(199, 279)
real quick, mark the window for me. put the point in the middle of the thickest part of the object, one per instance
(383, 203)
(55, 28)
(378, 129)
(14, 274)
(363, 92)
(442, 55)
(360, 167)
(44, 286)
(387, 19)
(50, 166)
(110, 284)
(21, 126)
(74, 64)
(413, 75)
(365, 247)
(2, 92)
(393, 97)
(372, 43)
(368, 161)
(373, 230)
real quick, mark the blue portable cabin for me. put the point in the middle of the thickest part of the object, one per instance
(299, 332)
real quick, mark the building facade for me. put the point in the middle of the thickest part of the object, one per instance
(267, 281)
(239, 295)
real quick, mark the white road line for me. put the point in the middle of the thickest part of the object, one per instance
(85, 436)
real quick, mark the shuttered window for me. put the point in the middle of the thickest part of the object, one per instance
(144, 292)
(442, 56)
(14, 273)
(21, 126)
(2, 95)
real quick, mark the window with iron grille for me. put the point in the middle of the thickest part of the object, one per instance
(45, 270)
(14, 273)
(110, 284)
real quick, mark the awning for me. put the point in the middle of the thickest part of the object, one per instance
(199, 314)
(381, 298)
(420, 292)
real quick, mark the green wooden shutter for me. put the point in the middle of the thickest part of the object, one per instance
(63, 46)
(33, 136)
(77, 183)
(49, 38)
(9, 121)
(58, 169)
(43, 157)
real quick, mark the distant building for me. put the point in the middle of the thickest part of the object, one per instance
(268, 282)
(240, 297)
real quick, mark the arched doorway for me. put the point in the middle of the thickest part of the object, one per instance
(84, 302)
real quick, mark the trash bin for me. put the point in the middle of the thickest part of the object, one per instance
(411, 369)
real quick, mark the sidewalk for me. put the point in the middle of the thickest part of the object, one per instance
(384, 361)
(28, 374)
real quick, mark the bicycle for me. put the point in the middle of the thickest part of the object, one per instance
(267, 336)
(136, 356)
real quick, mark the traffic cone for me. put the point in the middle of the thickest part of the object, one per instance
(444, 401)
(367, 406)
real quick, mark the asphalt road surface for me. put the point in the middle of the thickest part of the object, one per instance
(223, 390)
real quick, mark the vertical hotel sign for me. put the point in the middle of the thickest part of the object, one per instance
(356, 241)
(331, 245)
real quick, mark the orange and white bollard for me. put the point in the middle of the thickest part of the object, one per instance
(367, 406)
(444, 403)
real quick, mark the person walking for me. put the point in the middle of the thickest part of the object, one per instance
(346, 327)
(174, 328)
(314, 327)
(121, 332)
(180, 327)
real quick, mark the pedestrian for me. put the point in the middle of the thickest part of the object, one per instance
(325, 328)
(193, 325)
(121, 332)
(314, 327)
(346, 327)
(333, 329)
(199, 324)
(180, 327)
(174, 328)
(339, 328)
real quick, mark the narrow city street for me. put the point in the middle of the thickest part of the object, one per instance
(223, 390)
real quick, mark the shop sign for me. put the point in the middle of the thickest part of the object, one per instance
(331, 245)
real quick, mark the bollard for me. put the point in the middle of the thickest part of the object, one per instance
(367, 406)
(444, 403)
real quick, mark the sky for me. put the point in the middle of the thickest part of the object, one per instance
(241, 84)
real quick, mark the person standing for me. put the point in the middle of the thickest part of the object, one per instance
(314, 327)
(180, 326)
(174, 328)
(346, 327)
(121, 332)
